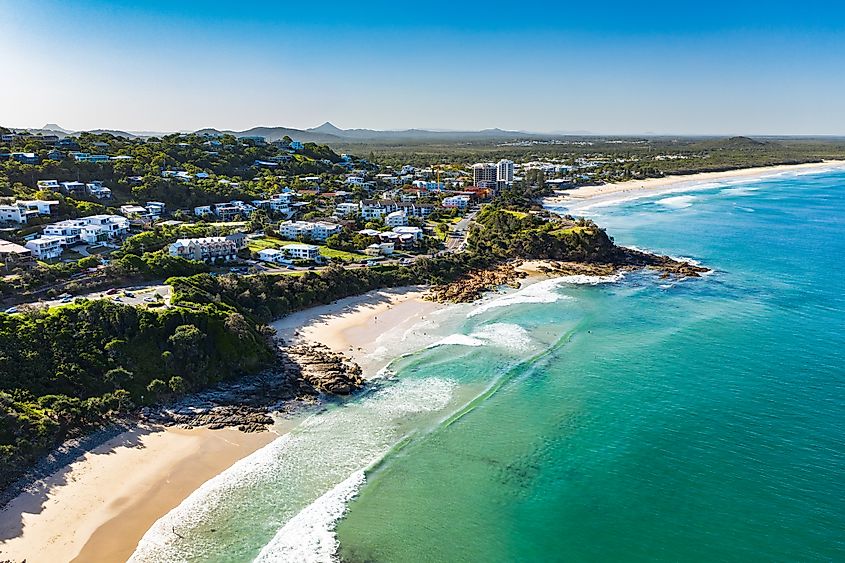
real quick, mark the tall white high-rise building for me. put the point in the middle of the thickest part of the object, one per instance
(484, 175)
(504, 173)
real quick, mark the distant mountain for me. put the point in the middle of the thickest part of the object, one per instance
(327, 128)
(329, 133)
(56, 128)
(274, 134)
(410, 135)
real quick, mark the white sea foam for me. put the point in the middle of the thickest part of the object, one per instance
(309, 536)
(741, 191)
(265, 491)
(458, 340)
(505, 335)
(540, 292)
(582, 279)
(677, 202)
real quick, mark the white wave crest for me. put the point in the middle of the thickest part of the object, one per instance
(458, 340)
(309, 536)
(582, 279)
(540, 292)
(741, 191)
(677, 202)
(279, 481)
(504, 335)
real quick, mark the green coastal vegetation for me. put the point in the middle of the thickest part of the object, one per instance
(68, 369)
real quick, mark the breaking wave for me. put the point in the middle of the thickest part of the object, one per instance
(299, 481)
(309, 536)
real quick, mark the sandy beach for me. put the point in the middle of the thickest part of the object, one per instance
(652, 186)
(99, 506)
(355, 325)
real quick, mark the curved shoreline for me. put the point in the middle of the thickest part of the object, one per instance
(585, 197)
(98, 506)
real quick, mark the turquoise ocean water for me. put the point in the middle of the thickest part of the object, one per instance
(632, 419)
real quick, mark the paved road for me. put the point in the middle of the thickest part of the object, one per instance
(456, 239)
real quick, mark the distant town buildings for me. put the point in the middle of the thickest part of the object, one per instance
(205, 249)
(504, 173)
(318, 230)
(457, 201)
(21, 211)
(91, 230)
(489, 175)
(226, 211)
(302, 252)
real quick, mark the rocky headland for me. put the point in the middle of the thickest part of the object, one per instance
(300, 376)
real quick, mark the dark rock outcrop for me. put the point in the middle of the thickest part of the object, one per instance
(303, 372)
(472, 287)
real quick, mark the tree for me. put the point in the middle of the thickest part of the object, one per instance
(157, 387)
(177, 385)
(118, 377)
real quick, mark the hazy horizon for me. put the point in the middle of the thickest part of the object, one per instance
(542, 67)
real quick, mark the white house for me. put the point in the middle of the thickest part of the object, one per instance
(274, 204)
(273, 255)
(92, 229)
(296, 145)
(98, 190)
(203, 210)
(45, 247)
(415, 209)
(233, 209)
(12, 214)
(382, 248)
(134, 212)
(457, 201)
(415, 232)
(48, 185)
(206, 249)
(376, 209)
(302, 251)
(396, 219)
(319, 230)
(40, 206)
(346, 209)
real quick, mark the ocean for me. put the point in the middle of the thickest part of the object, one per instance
(624, 418)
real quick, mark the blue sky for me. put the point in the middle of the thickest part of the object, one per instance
(606, 67)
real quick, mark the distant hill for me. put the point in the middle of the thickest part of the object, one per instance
(328, 133)
(111, 132)
(733, 143)
(56, 128)
(370, 135)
